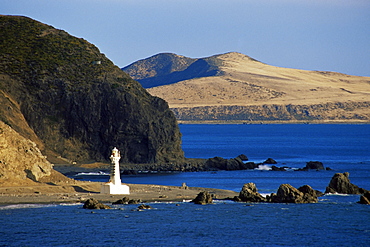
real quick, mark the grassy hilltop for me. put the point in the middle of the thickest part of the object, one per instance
(235, 87)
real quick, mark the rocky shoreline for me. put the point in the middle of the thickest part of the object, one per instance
(286, 193)
(81, 192)
(190, 165)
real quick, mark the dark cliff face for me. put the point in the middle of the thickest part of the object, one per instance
(76, 101)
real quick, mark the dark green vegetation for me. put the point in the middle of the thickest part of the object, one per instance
(62, 93)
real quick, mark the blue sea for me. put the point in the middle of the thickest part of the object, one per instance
(337, 220)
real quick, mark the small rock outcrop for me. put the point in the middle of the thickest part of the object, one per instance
(203, 198)
(124, 200)
(250, 165)
(219, 163)
(315, 165)
(340, 183)
(275, 168)
(309, 195)
(288, 194)
(243, 157)
(144, 206)
(365, 198)
(270, 161)
(249, 193)
(94, 204)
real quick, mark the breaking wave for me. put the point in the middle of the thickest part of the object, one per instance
(23, 206)
(91, 174)
(263, 168)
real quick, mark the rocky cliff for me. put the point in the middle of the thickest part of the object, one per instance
(20, 159)
(67, 97)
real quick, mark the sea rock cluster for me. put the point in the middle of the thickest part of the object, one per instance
(94, 204)
(249, 194)
(305, 194)
(288, 194)
(126, 200)
(285, 194)
(240, 163)
(219, 163)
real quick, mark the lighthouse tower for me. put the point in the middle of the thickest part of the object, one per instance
(114, 186)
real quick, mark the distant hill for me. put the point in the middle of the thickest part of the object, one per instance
(241, 88)
(62, 93)
(168, 68)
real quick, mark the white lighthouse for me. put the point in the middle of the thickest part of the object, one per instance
(114, 186)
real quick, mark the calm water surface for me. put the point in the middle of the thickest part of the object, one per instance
(337, 220)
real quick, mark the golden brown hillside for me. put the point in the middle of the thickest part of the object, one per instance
(245, 89)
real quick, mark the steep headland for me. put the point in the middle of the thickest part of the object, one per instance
(63, 94)
(241, 88)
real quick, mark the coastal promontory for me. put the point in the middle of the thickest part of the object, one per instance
(64, 95)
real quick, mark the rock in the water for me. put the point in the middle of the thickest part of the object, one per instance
(249, 193)
(234, 164)
(365, 198)
(203, 198)
(219, 163)
(94, 204)
(314, 165)
(134, 201)
(275, 168)
(124, 200)
(340, 184)
(143, 206)
(243, 157)
(288, 194)
(250, 165)
(309, 195)
(270, 161)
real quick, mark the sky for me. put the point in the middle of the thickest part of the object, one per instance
(325, 35)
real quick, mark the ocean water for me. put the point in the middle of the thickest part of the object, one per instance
(337, 220)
